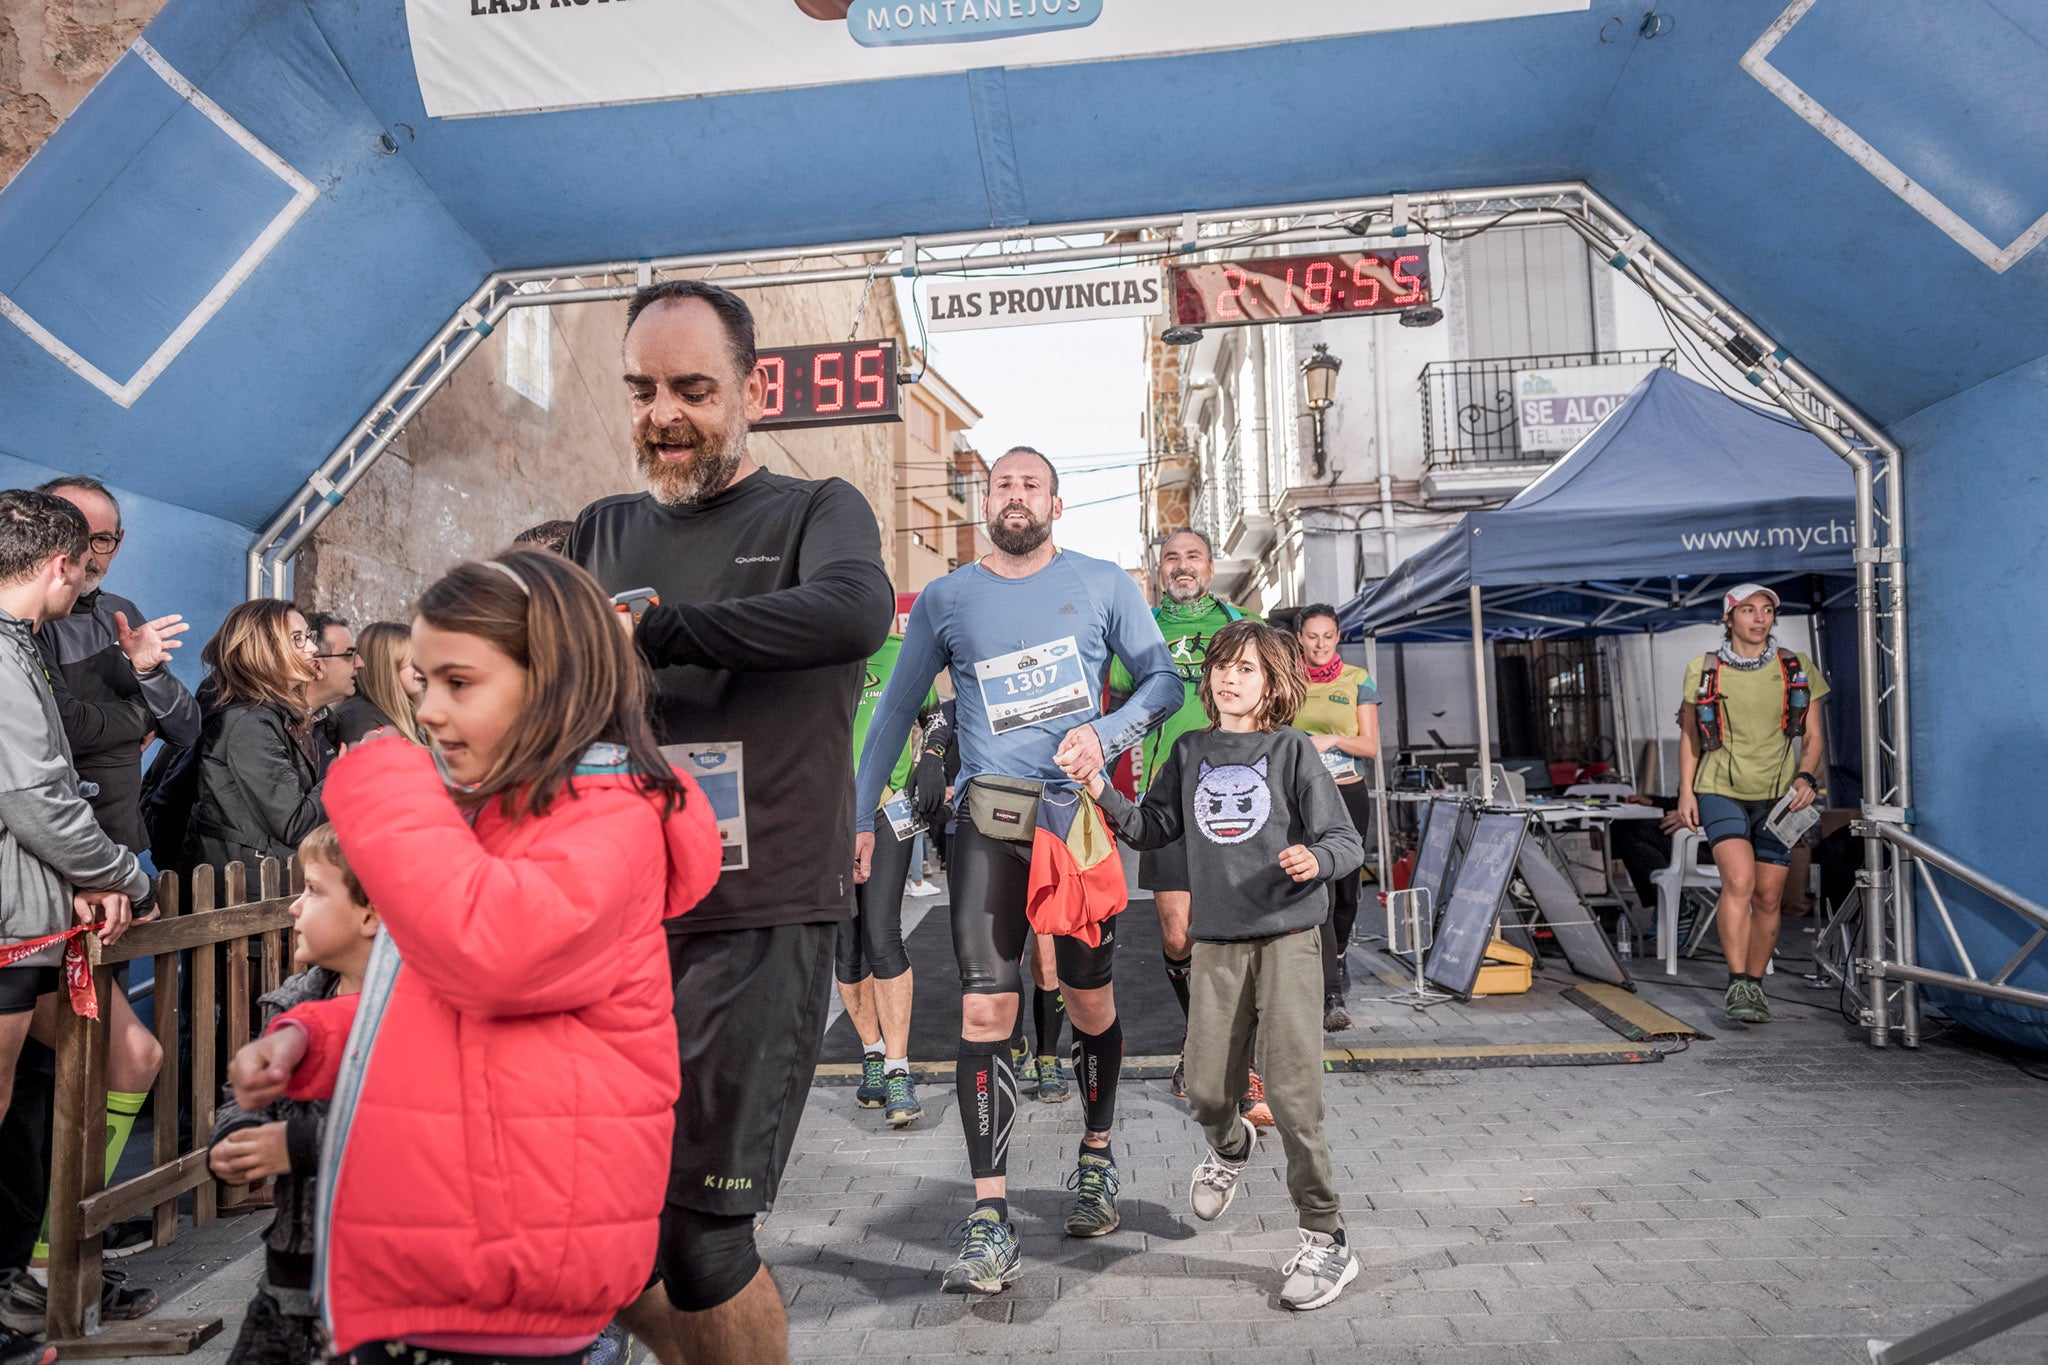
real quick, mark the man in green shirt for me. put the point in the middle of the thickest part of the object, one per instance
(1189, 618)
(1751, 721)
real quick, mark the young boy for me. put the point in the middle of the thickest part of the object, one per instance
(1266, 833)
(336, 926)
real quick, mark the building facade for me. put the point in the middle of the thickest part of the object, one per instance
(1426, 422)
(939, 481)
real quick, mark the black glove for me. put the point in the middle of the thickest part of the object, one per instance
(928, 786)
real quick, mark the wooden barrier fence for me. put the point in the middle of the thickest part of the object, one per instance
(81, 1206)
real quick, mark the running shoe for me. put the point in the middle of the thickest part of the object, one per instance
(18, 1348)
(872, 1090)
(903, 1106)
(612, 1347)
(1179, 1084)
(1052, 1081)
(1336, 1018)
(1743, 1003)
(1253, 1107)
(1094, 1183)
(1214, 1183)
(1318, 1272)
(28, 1302)
(921, 890)
(126, 1239)
(1025, 1065)
(988, 1262)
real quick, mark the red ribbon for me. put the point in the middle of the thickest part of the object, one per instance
(77, 971)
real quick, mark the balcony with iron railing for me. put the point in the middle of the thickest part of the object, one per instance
(1470, 417)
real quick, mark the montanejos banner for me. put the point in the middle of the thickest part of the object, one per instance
(506, 56)
(1125, 291)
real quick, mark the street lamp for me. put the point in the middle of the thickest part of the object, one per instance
(1318, 387)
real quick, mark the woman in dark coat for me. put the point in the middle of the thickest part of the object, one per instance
(258, 789)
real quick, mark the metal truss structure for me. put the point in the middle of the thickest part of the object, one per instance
(1883, 975)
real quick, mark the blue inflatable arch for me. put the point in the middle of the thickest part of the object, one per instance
(240, 242)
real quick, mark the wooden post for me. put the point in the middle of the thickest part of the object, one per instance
(164, 1217)
(78, 1162)
(205, 1066)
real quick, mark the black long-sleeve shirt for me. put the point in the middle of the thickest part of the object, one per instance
(773, 596)
(1236, 800)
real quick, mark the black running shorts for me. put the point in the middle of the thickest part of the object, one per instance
(750, 1016)
(990, 879)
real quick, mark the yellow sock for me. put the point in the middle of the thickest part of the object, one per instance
(122, 1108)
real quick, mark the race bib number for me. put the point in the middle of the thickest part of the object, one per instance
(1034, 685)
(904, 822)
(1342, 766)
(720, 770)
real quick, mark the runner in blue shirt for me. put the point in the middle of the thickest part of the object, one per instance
(1029, 633)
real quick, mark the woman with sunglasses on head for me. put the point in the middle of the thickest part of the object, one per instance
(258, 792)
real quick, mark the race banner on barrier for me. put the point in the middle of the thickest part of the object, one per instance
(513, 56)
(1125, 291)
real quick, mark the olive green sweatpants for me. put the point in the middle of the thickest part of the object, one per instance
(1274, 987)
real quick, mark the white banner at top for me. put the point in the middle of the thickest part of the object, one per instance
(507, 56)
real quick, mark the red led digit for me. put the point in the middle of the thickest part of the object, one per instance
(1314, 285)
(835, 381)
(1367, 287)
(774, 392)
(862, 379)
(1233, 291)
(1288, 302)
(1416, 291)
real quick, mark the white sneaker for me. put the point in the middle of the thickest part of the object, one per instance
(1318, 1272)
(1214, 1183)
(921, 889)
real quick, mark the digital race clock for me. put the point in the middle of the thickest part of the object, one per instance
(1291, 288)
(828, 386)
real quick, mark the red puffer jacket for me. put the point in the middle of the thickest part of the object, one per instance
(507, 1158)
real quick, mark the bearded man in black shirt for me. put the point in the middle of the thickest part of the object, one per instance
(772, 597)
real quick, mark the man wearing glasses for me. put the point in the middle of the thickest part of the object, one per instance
(336, 662)
(115, 662)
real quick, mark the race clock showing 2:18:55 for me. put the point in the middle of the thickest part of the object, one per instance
(1295, 288)
(840, 384)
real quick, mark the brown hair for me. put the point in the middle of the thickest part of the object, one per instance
(382, 644)
(585, 684)
(1277, 654)
(254, 660)
(324, 846)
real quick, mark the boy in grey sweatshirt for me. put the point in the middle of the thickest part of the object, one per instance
(1266, 833)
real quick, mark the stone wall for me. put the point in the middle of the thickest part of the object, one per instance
(482, 462)
(51, 54)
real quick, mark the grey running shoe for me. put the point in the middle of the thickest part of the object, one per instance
(1759, 1003)
(1214, 1183)
(872, 1091)
(1094, 1183)
(1052, 1081)
(902, 1106)
(988, 1262)
(1318, 1272)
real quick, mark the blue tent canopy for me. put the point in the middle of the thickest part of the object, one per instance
(1679, 492)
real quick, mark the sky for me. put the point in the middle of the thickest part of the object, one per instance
(1075, 390)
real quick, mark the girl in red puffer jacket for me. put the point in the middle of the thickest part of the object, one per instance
(499, 1139)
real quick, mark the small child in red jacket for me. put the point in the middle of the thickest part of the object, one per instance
(336, 927)
(498, 1147)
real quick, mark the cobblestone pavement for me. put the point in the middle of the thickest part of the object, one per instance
(1779, 1193)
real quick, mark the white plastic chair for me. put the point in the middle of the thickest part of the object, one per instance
(1682, 874)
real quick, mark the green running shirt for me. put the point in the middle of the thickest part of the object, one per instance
(880, 669)
(1188, 630)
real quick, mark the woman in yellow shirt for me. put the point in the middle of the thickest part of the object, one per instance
(1341, 716)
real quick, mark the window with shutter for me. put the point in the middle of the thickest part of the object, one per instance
(1528, 291)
